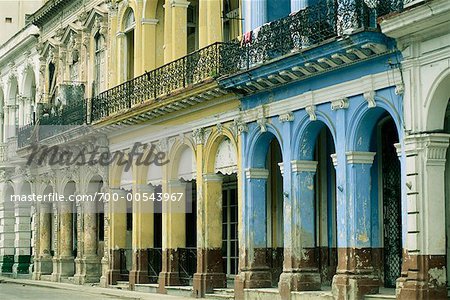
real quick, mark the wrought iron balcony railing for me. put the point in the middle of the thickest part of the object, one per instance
(312, 26)
(53, 123)
(208, 62)
(301, 30)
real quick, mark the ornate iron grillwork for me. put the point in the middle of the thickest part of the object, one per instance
(154, 263)
(181, 73)
(51, 124)
(391, 211)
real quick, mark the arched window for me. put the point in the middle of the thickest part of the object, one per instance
(129, 26)
(99, 64)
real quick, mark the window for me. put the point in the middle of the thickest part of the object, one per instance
(99, 65)
(129, 24)
(230, 19)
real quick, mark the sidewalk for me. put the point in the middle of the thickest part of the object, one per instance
(99, 291)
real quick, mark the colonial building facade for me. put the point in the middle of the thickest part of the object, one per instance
(308, 144)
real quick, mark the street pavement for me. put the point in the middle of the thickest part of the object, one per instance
(12, 289)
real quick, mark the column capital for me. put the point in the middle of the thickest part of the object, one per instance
(179, 3)
(256, 173)
(212, 177)
(433, 145)
(145, 21)
(334, 159)
(304, 166)
(355, 157)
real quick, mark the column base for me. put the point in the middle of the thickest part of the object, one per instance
(301, 281)
(425, 278)
(168, 279)
(139, 273)
(256, 278)
(43, 266)
(89, 270)
(354, 287)
(207, 282)
(65, 268)
(170, 275)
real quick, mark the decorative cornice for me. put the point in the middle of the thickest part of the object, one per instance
(256, 173)
(304, 166)
(355, 157)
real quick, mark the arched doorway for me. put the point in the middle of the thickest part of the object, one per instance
(7, 234)
(263, 213)
(325, 197)
(12, 114)
(27, 110)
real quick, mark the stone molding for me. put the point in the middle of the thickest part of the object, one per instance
(304, 166)
(256, 173)
(355, 157)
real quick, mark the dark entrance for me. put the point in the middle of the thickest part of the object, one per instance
(392, 219)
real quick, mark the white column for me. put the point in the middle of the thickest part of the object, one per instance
(255, 13)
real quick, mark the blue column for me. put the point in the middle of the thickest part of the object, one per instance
(300, 271)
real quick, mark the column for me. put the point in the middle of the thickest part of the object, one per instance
(6, 236)
(426, 249)
(90, 261)
(356, 275)
(117, 233)
(179, 28)
(174, 235)
(44, 264)
(22, 242)
(255, 13)
(301, 271)
(210, 22)
(255, 272)
(142, 233)
(209, 257)
(6, 123)
(66, 265)
(149, 44)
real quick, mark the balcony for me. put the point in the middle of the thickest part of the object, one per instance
(296, 36)
(53, 123)
(207, 63)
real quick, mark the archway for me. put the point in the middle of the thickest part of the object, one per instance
(377, 136)
(12, 115)
(7, 234)
(29, 97)
(264, 203)
(23, 237)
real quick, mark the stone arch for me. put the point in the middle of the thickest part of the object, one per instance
(179, 150)
(259, 141)
(13, 91)
(213, 144)
(364, 121)
(306, 133)
(437, 101)
(150, 7)
(29, 94)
